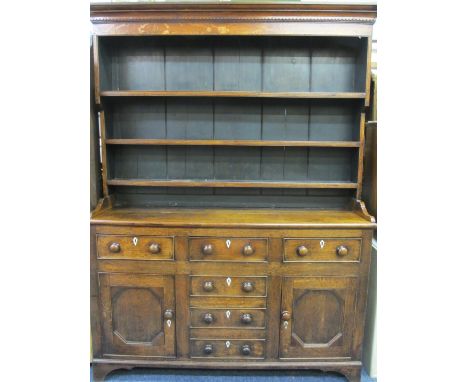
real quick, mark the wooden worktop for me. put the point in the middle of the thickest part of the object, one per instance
(267, 218)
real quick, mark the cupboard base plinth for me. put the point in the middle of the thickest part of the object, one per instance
(350, 369)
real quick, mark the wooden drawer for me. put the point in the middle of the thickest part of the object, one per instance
(135, 247)
(322, 250)
(227, 286)
(204, 302)
(228, 249)
(227, 318)
(227, 348)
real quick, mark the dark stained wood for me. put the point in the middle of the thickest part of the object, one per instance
(228, 249)
(135, 248)
(230, 301)
(182, 316)
(232, 218)
(338, 366)
(369, 192)
(100, 370)
(236, 349)
(322, 250)
(94, 299)
(133, 314)
(233, 184)
(360, 169)
(245, 287)
(248, 104)
(102, 122)
(220, 318)
(360, 208)
(227, 334)
(95, 163)
(232, 94)
(220, 142)
(318, 319)
(362, 296)
(234, 19)
(96, 77)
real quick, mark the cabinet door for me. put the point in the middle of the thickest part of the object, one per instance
(138, 314)
(317, 317)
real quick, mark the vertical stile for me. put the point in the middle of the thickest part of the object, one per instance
(102, 123)
(368, 70)
(97, 77)
(361, 155)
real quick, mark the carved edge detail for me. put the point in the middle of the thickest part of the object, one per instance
(104, 204)
(352, 373)
(266, 19)
(100, 370)
(360, 207)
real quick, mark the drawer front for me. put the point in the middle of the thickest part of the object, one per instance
(202, 302)
(228, 249)
(227, 286)
(322, 250)
(227, 318)
(238, 349)
(231, 333)
(135, 247)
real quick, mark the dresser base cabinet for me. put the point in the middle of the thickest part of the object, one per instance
(231, 233)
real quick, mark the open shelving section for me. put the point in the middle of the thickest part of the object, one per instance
(226, 118)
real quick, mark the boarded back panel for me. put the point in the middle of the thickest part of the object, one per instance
(237, 65)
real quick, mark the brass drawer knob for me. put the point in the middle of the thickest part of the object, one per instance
(246, 318)
(208, 318)
(154, 248)
(168, 314)
(341, 250)
(208, 349)
(302, 250)
(114, 247)
(248, 286)
(208, 286)
(245, 350)
(207, 249)
(248, 250)
(285, 316)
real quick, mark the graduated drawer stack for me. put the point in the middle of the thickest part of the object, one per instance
(227, 313)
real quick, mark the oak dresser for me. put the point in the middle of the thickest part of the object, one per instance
(231, 233)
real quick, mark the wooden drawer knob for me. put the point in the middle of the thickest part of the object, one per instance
(208, 349)
(302, 250)
(168, 314)
(154, 248)
(341, 250)
(246, 318)
(248, 250)
(245, 350)
(114, 247)
(208, 286)
(285, 316)
(208, 318)
(248, 286)
(207, 249)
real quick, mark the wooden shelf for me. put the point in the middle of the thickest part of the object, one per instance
(218, 142)
(239, 94)
(228, 184)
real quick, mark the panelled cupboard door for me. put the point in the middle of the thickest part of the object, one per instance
(317, 317)
(138, 314)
